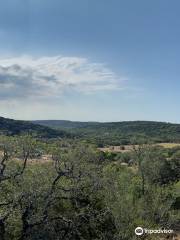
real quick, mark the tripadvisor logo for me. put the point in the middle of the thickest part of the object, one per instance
(140, 231)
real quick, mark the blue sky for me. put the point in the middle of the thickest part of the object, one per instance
(90, 60)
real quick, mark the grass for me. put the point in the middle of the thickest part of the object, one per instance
(127, 148)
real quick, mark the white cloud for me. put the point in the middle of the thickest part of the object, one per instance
(26, 76)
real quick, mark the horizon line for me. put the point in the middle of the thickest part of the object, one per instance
(90, 121)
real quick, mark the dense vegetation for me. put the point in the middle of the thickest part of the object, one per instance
(84, 194)
(101, 134)
(65, 124)
(15, 127)
(55, 187)
(119, 132)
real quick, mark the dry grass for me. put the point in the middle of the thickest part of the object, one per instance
(169, 145)
(46, 158)
(127, 148)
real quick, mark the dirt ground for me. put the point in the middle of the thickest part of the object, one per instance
(127, 148)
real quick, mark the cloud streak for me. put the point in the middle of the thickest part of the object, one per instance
(26, 76)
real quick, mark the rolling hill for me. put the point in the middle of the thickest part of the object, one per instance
(16, 127)
(118, 132)
(65, 124)
(110, 133)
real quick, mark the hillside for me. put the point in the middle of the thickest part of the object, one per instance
(119, 132)
(65, 124)
(16, 127)
(112, 133)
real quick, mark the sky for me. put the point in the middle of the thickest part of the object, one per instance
(90, 60)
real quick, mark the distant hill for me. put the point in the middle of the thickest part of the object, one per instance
(16, 127)
(112, 133)
(65, 124)
(119, 132)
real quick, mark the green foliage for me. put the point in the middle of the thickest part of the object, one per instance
(131, 207)
(119, 133)
(83, 194)
(13, 127)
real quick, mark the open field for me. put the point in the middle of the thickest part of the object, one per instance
(127, 148)
(169, 145)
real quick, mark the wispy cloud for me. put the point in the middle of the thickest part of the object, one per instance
(26, 76)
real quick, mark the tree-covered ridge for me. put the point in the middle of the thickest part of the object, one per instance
(102, 134)
(65, 123)
(114, 133)
(16, 127)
